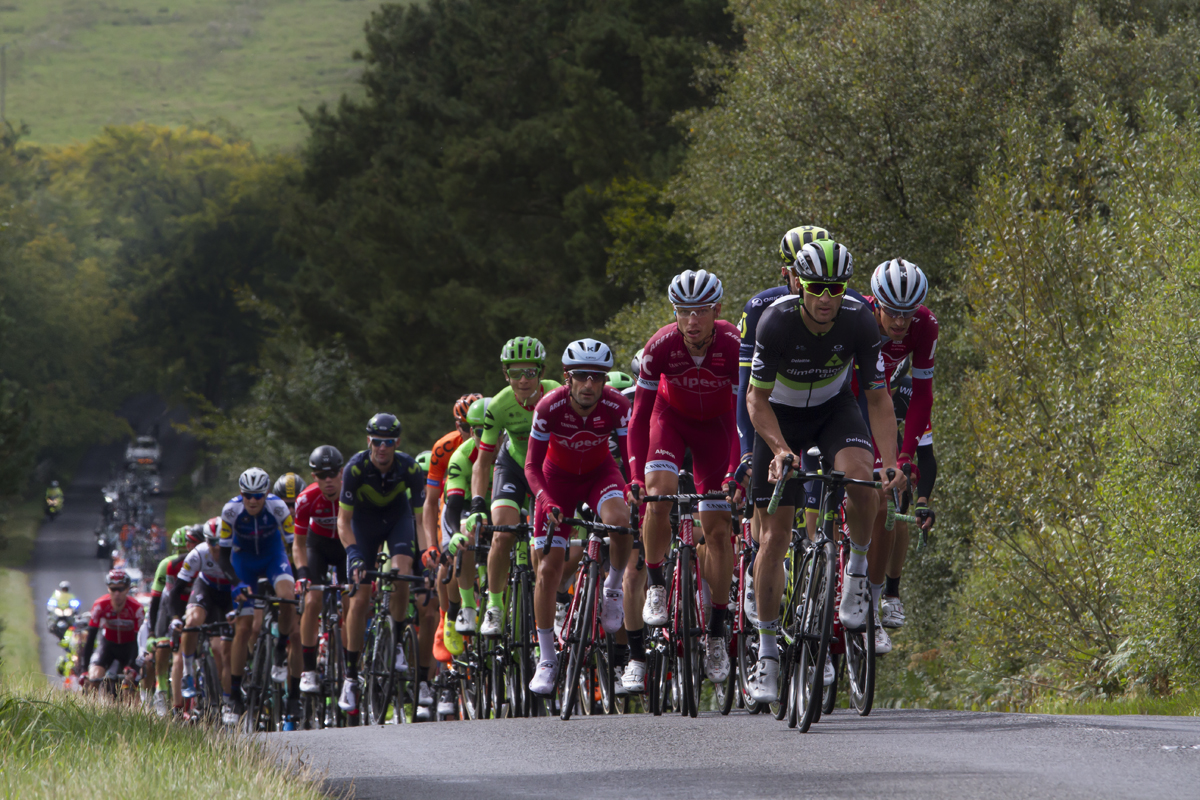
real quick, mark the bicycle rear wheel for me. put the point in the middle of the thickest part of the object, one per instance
(579, 639)
(829, 690)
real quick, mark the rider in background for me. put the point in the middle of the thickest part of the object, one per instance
(118, 617)
(54, 498)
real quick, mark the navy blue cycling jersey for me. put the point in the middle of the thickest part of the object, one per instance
(378, 497)
(747, 327)
(256, 533)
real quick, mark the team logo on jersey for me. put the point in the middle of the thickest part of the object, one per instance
(836, 361)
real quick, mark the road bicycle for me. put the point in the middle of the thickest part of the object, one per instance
(383, 685)
(205, 706)
(512, 658)
(264, 697)
(585, 650)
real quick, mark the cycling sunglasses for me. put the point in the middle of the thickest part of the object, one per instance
(324, 474)
(818, 288)
(383, 442)
(894, 314)
(517, 374)
(694, 311)
(253, 495)
(584, 376)
(118, 588)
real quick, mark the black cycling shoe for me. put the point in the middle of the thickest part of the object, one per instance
(293, 707)
(236, 704)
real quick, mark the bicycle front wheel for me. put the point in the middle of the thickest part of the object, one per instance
(816, 619)
(685, 623)
(379, 678)
(860, 667)
(579, 639)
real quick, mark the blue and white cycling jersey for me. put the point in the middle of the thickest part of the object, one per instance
(256, 533)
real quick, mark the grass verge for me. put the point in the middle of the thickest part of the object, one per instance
(59, 744)
(18, 531)
(187, 506)
(1181, 704)
(18, 638)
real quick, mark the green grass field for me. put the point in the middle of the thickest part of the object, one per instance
(75, 66)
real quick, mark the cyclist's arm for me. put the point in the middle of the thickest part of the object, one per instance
(927, 464)
(155, 604)
(482, 472)
(535, 457)
(920, 405)
(300, 549)
(744, 425)
(175, 602)
(89, 645)
(883, 426)
(345, 527)
(452, 513)
(429, 512)
(638, 441)
(762, 416)
(221, 557)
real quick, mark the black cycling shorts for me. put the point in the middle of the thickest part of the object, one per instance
(372, 535)
(831, 426)
(325, 552)
(509, 486)
(217, 601)
(108, 651)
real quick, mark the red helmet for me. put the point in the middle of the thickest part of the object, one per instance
(212, 530)
(118, 577)
(461, 405)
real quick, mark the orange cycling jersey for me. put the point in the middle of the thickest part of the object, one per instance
(439, 460)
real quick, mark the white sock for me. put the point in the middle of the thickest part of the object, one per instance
(876, 590)
(705, 592)
(768, 647)
(858, 558)
(189, 665)
(546, 643)
(613, 582)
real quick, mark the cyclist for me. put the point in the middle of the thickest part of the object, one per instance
(458, 483)
(287, 488)
(445, 447)
(118, 616)
(183, 540)
(54, 498)
(256, 530)
(374, 510)
(569, 464)
(685, 401)
(207, 591)
(316, 549)
(62, 597)
(510, 412)
(806, 348)
(909, 330)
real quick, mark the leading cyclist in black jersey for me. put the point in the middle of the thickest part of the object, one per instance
(800, 395)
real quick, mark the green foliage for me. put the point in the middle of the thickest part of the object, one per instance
(77, 67)
(190, 220)
(469, 190)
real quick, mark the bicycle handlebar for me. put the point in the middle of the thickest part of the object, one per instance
(683, 498)
(393, 575)
(777, 495)
(598, 526)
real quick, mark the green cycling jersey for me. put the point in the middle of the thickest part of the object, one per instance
(458, 471)
(505, 413)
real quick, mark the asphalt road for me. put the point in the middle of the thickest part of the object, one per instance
(890, 754)
(66, 548)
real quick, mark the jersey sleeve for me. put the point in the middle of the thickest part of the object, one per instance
(283, 518)
(920, 406)
(638, 440)
(97, 611)
(303, 518)
(768, 349)
(160, 577)
(458, 471)
(414, 478)
(492, 429)
(191, 567)
(439, 462)
(539, 442)
(228, 518)
(868, 354)
(351, 480)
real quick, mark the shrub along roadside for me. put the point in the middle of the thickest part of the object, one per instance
(58, 744)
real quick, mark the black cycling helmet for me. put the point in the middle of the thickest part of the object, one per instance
(384, 425)
(288, 487)
(325, 457)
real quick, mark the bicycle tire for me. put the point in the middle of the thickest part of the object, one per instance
(211, 684)
(729, 686)
(602, 660)
(578, 641)
(379, 680)
(829, 691)
(684, 618)
(801, 630)
(408, 687)
(654, 682)
(819, 628)
(254, 691)
(860, 668)
(747, 656)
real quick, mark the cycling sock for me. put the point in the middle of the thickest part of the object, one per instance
(163, 683)
(716, 623)
(452, 611)
(767, 646)
(705, 592)
(468, 597)
(495, 599)
(281, 650)
(546, 643)
(637, 645)
(613, 582)
(310, 658)
(656, 574)
(891, 587)
(235, 684)
(858, 558)
(563, 597)
(620, 655)
(189, 665)
(876, 590)
(352, 664)
(293, 687)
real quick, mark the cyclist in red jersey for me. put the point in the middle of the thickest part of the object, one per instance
(118, 616)
(686, 399)
(568, 464)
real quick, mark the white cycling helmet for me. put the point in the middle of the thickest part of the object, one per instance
(588, 353)
(695, 288)
(255, 480)
(824, 260)
(899, 285)
(635, 363)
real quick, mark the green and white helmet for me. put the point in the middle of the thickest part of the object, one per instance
(794, 240)
(179, 537)
(423, 458)
(824, 260)
(476, 412)
(523, 349)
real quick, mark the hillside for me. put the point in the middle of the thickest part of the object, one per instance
(75, 66)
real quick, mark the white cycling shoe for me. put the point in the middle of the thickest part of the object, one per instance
(466, 620)
(654, 610)
(830, 675)
(401, 662)
(543, 680)
(634, 678)
(491, 622)
(716, 659)
(750, 606)
(883, 642)
(309, 683)
(560, 617)
(279, 673)
(348, 699)
(856, 600)
(764, 681)
(424, 696)
(892, 612)
(612, 612)
(446, 706)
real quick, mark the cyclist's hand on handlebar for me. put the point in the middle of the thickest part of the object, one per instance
(176, 625)
(744, 469)
(302, 586)
(456, 541)
(893, 478)
(777, 465)
(733, 489)
(354, 570)
(925, 515)
(473, 521)
(555, 514)
(430, 557)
